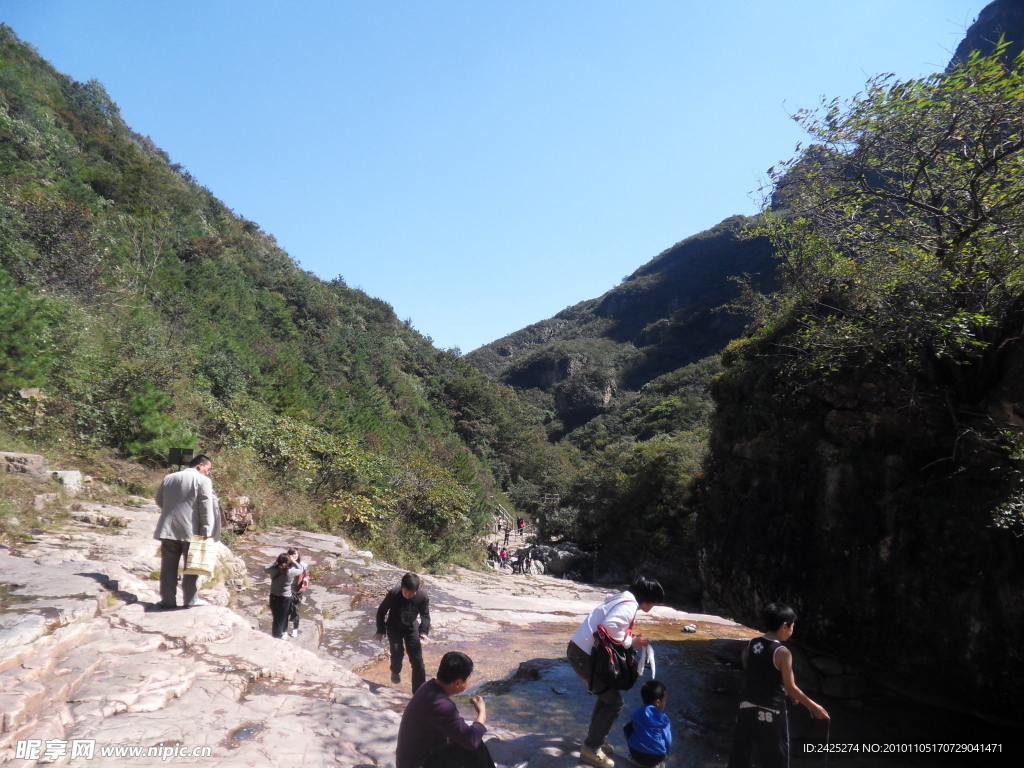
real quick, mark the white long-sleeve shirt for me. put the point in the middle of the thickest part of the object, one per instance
(616, 614)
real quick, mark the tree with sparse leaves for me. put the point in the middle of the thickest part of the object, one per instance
(900, 229)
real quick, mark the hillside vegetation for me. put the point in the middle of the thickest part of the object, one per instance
(624, 380)
(151, 316)
(866, 454)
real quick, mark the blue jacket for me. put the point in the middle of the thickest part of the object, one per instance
(652, 731)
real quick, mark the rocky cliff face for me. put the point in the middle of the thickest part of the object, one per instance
(1000, 19)
(659, 319)
(888, 513)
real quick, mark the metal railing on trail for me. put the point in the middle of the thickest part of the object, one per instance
(508, 523)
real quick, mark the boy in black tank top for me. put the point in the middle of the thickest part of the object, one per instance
(762, 718)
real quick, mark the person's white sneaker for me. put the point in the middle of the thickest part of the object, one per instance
(197, 602)
(295, 633)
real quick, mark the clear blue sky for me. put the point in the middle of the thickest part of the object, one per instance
(482, 165)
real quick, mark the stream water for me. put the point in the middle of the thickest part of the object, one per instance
(522, 672)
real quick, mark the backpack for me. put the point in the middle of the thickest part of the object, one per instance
(612, 663)
(302, 581)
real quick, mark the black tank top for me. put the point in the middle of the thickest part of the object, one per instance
(763, 685)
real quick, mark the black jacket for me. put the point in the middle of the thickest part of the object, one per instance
(401, 613)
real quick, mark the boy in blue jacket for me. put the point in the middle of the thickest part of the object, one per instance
(649, 732)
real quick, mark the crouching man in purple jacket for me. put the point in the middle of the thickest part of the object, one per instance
(433, 734)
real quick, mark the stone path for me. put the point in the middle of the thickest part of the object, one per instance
(85, 657)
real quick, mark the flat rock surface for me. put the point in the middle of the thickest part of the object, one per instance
(87, 658)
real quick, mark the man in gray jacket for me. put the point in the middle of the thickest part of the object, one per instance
(187, 507)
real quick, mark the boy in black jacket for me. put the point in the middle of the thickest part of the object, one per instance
(396, 618)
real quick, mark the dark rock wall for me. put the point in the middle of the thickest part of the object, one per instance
(1000, 19)
(888, 514)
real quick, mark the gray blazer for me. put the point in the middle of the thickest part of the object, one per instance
(186, 502)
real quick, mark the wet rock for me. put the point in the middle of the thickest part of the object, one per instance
(851, 686)
(728, 651)
(531, 670)
(827, 665)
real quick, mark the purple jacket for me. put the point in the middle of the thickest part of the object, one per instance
(430, 721)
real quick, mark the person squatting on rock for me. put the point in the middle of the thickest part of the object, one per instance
(616, 614)
(283, 573)
(649, 732)
(298, 589)
(432, 733)
(187, 507)
(397, 618)
(762, 719)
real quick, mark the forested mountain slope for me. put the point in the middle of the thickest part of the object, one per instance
(623, 381)
(660, 318)
(151, 316)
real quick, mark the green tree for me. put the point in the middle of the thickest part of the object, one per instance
(25, 354)
(899, 230)
(151, 431)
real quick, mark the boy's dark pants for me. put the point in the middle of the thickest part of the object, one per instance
(396, 639)
(608, 706)
(770, 736)
(454, 756)
(293, 610)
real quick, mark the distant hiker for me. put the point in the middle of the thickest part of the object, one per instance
(503, 556)
(397, 618)
(432, 733)
(298, 591)
(186, 501)
(283, 573)
(508, 533)
(522, 527)
(649, 732)
(528, 564)
(616, 615)
(762, 719)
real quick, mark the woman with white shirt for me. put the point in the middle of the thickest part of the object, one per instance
(616, 615)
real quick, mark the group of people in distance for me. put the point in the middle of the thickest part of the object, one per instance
(432, 733)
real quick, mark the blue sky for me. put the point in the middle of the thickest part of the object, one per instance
(482, 165)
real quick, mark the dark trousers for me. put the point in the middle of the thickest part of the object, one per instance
(399, 641)
(279, 612)
(768, 730)
(293, 611)
(171, 554)
(454, 756)
(645, 759)
(608, 706)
